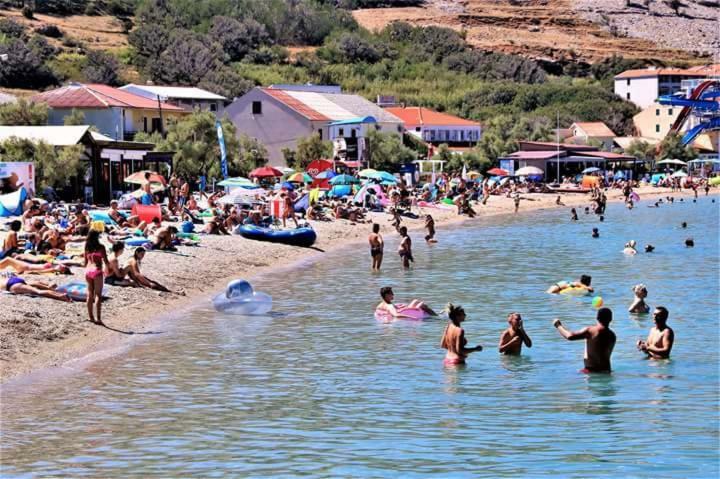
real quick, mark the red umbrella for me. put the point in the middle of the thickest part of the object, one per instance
(265, 172)
(498, 172)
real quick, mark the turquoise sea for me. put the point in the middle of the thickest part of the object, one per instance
(319, 388)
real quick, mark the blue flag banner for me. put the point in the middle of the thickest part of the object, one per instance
(223, 152)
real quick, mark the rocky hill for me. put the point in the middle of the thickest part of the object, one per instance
(586, 30)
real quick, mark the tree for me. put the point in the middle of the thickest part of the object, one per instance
(186, 60)
(253, 154)
(23, 68)
(386, 152)
(671, 147)
(75, 118)
(54, 167)
(290, 157)
(502, 136)
(101, 67)
(23, 113)
(238, 38)
(226, 82)
(311, 148)
(642, 150)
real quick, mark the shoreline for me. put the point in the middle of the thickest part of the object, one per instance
(40, 334)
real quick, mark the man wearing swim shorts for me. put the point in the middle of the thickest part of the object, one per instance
(599, 341)
(661, 338)
(376, 247)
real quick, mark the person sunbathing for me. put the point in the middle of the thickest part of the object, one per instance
(116, 275)
(21, 267)
(133, 270)
(115, 214)
(387, 295)
(215, 227)
(11, 244)
(12, 283)
(163, 238)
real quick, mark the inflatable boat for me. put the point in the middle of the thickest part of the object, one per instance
(296, 237)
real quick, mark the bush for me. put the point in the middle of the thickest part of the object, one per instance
(42, 48)
(23, 113)
(28, 12)
(238, 38)
(49, 30)
(23, 68)
(11, 29)
(101, 67)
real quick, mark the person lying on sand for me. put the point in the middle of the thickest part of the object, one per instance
(512, 339)
(22, 267)
(137, 276)
(583, 283)
(14, 284)
(638, 305)
(660, 341)
(453, 338)
(387, 295)
(599, 341)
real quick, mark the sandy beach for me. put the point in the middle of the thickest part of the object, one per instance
(38, 333)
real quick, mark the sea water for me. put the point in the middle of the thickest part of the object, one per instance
(319, 388)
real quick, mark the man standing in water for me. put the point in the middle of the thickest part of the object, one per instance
(599, 341)
(376, 247)
(661, 338)
(512, 339)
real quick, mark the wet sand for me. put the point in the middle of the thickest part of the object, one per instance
(37, 333)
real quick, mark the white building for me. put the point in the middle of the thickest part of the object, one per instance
(435, 127)
(188, 98)
(644, 86)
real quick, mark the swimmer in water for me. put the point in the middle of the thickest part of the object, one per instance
(649, 248)
(599, 341)
(638, 305)
(689, 242)
(453, 338)
(574, 216)
(583, 283)
(683, 225)
(377, 245)
(602, 218)
(630, 248)
(660, 341)
(512, 339)
(595, 233)
(387, 295)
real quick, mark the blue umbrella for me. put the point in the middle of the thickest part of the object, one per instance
(288, 186)
(382, 176)
(344, 180)
(326, 175)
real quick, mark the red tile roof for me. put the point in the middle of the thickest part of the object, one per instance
(97, 96)
(418, 116)
(653, 72)
(297, 105)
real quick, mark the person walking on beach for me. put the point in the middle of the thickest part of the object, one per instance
(599, 342)
(288, 209)
(405, 248)
(453, 338)
(516, 199)
(377, 245)
(660, 341)
(95, 258)
(512, 339)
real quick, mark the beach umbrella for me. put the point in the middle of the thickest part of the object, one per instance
(325, 175)
(344, 180)
(679, 174)
(265, 172)
(299, 178)
(367, 172)
(236, 182)
(382, 176)
(671, 162)
(592, 169)
(138, 178)
(498, 172)
(286, 171)
(287, 186)
(474, 174)
(154, 188)
(529, 171)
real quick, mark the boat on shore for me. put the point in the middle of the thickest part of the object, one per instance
(304, 236)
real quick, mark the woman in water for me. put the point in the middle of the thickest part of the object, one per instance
(405, 248)
(630, 248)
(638, 305)
(95, 257)
(137, 276)
(387, 295)
(453, 338)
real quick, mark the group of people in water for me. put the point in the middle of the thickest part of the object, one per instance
(599, 339)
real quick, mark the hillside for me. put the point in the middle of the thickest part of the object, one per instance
(585, 30)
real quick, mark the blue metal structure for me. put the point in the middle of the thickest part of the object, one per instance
(703, 104)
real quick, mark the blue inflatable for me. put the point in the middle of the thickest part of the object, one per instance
(297, 237)
(102, 215)
(137, 241)
(77, 290)
(12, 203)
(240, 298)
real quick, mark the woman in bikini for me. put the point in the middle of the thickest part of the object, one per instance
(133, 269)
(405, 248)
(95, 258)
(12, 283)
(453, 338)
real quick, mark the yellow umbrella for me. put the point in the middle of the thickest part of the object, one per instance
(474, 174)
(367, 172)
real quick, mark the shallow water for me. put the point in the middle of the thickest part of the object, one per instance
(321, 389)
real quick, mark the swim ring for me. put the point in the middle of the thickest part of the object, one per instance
(573, 291)
(240, 298)
(413, 314)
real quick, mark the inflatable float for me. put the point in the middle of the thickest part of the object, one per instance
(102, 215)
(411, 314)
(147, 213)
(77, 290)
(573, 291)
(137, 241)
(296, 237)
(240, 298)
(12, 204)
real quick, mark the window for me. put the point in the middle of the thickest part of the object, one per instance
(145, 124)
(657, 111)
(417, 128)
(213, 106)
(353, 133)
(319, 130)
(341, 132)
(257, 108)
(657, 128)
(628, 82)
(627, 96)
(669, 111)
(156, 125)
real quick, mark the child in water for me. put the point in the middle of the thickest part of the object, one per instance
(512, 339)
(453, 338)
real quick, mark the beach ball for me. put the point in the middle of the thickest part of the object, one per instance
(239, 288)
(597, 302)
